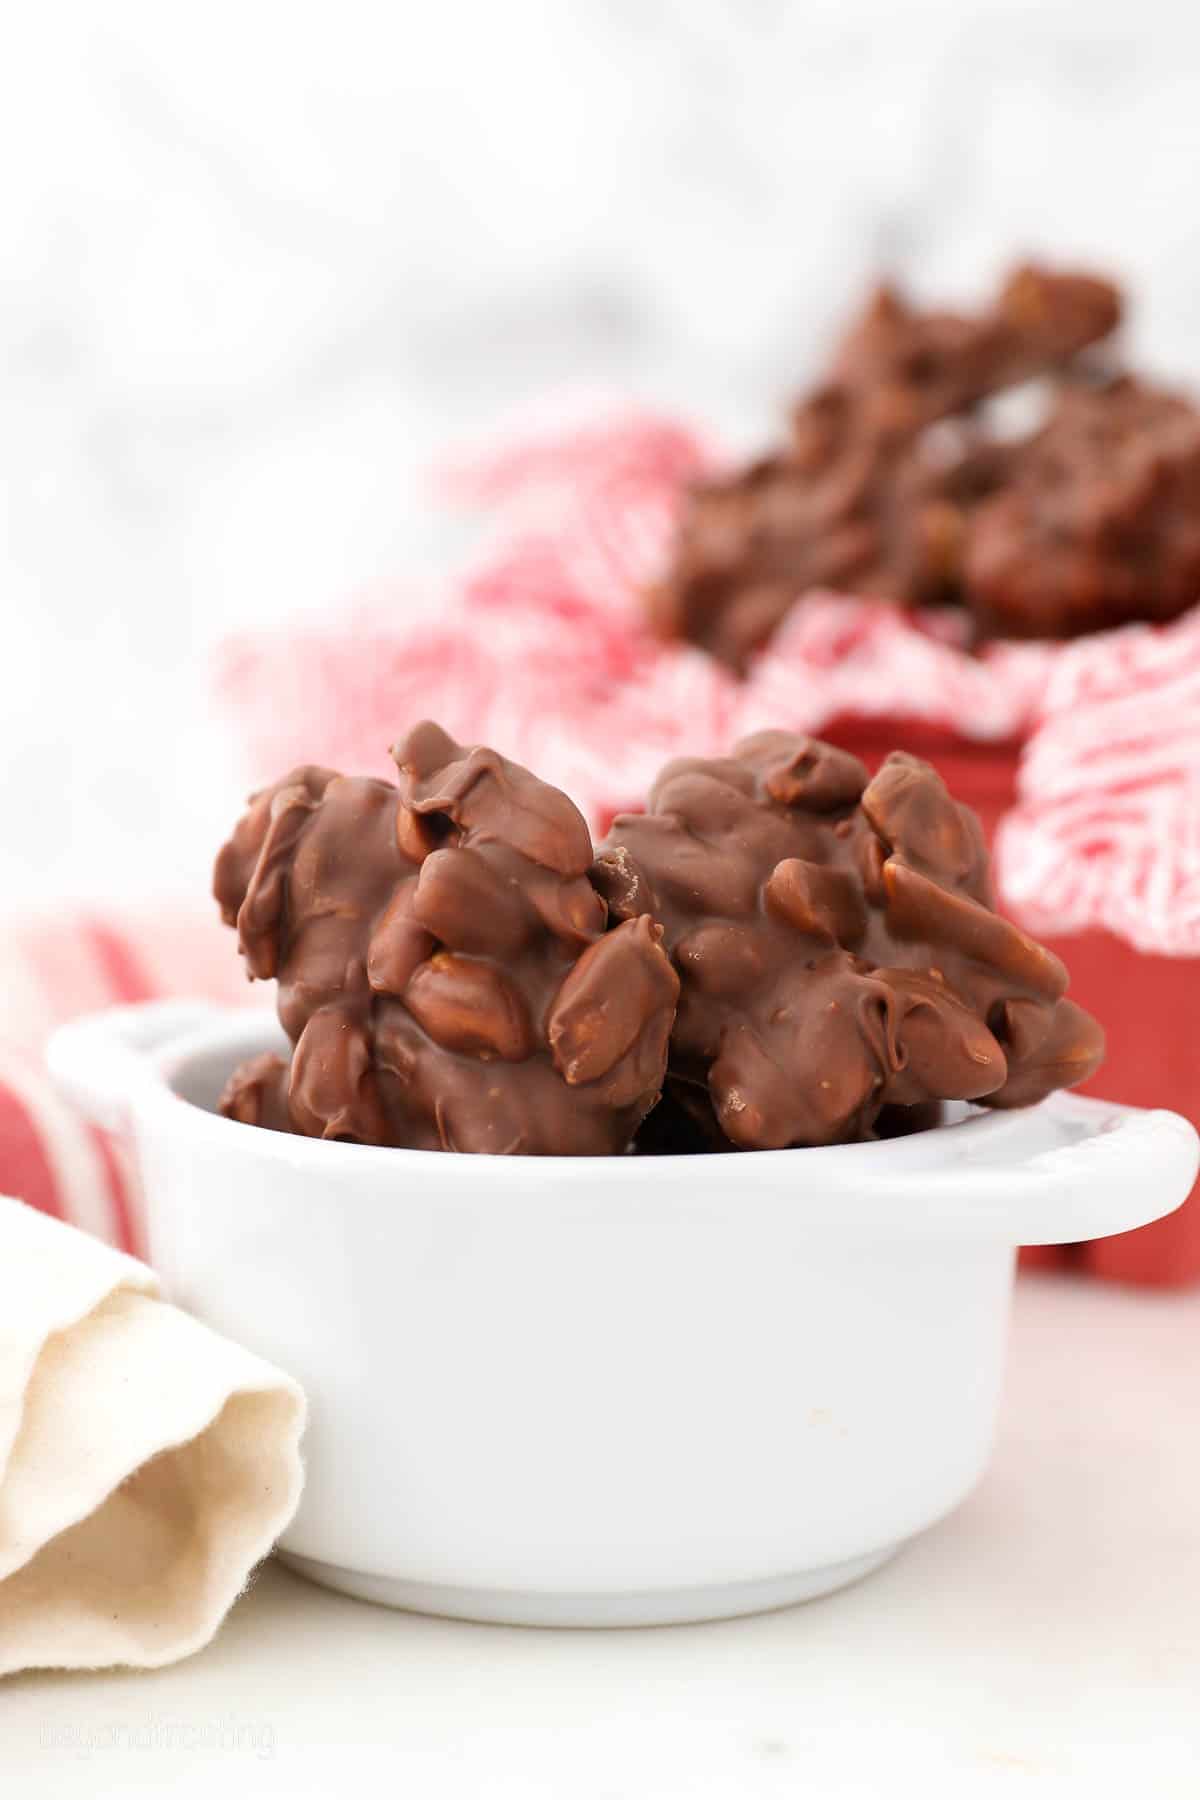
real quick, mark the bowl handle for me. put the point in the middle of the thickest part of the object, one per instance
(99, 1061)
(1089, 1169)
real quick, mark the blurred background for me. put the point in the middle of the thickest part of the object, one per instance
(263, 264)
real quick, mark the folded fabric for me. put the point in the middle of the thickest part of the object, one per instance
(146, 1463)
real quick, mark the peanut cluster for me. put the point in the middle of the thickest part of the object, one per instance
(837, 949)
(803, 955)
(887, 472)
(1100, 524)
(445, 972)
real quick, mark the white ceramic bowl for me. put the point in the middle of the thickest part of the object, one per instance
(599, 1391)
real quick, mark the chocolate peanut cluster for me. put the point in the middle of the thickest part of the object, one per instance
(447, 974)
(1100, 524)
(894, 485)
(801, 954)
(837, 949)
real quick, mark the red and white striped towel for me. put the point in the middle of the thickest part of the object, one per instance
(1107, 831)
(52, 970)
(540, 649)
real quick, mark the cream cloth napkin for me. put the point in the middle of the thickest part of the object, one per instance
(146, 1463)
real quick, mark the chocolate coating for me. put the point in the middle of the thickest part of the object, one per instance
(863, 498)
(257, 1093)
(837, 949)
(906, 368)
(1101, 524)
(444, 970)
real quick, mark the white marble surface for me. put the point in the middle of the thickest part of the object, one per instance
(1043, 1641)
(258, 263)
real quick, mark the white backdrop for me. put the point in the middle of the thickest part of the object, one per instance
(260, 262)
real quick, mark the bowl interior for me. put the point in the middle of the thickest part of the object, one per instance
(196, 1070)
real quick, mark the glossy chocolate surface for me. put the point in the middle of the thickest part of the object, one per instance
(837, 949)
(445, 971)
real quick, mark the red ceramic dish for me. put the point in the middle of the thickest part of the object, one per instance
(1139, 998)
